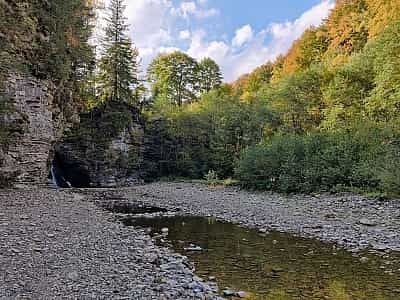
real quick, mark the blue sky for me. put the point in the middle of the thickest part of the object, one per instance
(238, 34)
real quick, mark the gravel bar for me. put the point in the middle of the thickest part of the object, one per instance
(59, 245)
(354, 222)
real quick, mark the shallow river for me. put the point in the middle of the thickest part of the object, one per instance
(277, 266)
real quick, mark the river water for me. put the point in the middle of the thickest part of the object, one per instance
(277, 266)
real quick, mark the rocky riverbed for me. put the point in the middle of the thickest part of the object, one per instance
(71, 244)
(352, 221)
(60, 245)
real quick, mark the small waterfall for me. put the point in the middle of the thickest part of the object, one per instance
(53, 177)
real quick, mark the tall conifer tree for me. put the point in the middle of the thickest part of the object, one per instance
(119, 62)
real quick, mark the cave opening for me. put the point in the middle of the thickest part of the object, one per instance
(66, 175)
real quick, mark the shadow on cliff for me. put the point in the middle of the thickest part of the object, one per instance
(66, 175)
(103, 150)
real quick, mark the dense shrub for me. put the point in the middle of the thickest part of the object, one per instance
(389, 172)
(190, 140)
(319, 162)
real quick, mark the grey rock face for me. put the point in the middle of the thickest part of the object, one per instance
(37, 122)
(105, 150)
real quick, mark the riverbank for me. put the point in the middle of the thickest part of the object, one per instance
(352, 221)
(61, 245)
(64, 244)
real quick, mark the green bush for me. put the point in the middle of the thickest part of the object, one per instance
(212, 178)
(318, 162)
(389, 173)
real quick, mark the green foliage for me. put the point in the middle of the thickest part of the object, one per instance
(48, 39)
(212, 178)
(383, 104)
(249, 85)
(346, 92)
(173, 77)
(389, 172)
(118, 65)
(104, 123)
(207, 135)
(208, 75)
(178, 78)
(298, 99)
(313, 162)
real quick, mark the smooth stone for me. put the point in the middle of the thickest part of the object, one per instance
(277, 270)
(196, 248)
(73, 276)
(367, 222)
(229, 293)
(241, 294)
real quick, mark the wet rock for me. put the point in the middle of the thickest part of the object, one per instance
(241, 294)
(277, 270)
(193, 248)
(229, 293)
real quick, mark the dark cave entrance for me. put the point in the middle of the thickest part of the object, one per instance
(66, 174)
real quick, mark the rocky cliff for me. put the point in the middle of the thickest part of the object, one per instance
(104, 150)
(34, 122)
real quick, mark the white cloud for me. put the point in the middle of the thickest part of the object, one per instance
(184, 34)
(284, 34)
(156, 28)
(151, 26)
(188, 9)
(199, 48)
(207, 13)
(202, 2)
(167, 49)
(242, 36)
(236, 62)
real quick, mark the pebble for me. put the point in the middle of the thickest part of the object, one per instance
(229, 293)
(367, 222)
(73, 276)
(81, 252)
(241, 294)
(193, 248)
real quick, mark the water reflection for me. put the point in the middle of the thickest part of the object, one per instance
(276, 266)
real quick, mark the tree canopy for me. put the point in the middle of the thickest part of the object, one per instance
(118, 65)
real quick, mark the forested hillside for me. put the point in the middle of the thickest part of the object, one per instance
(44, 49)
(324, 117)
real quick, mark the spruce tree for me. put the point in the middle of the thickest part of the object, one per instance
(118, 66)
